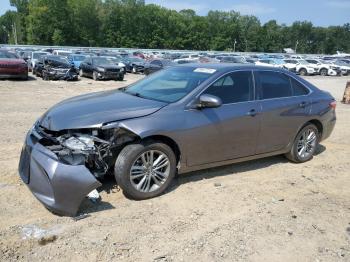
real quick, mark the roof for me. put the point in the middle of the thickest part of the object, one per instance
(223, 67)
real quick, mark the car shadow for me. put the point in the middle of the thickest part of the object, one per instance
(110, 186)
(232, 169)
(30, 78)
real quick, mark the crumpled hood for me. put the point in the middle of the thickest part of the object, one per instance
(93, 110)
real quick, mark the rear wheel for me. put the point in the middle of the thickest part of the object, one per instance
(145, 170)
(305, 144)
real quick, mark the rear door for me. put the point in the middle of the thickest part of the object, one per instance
(285, 105)
(229, 131)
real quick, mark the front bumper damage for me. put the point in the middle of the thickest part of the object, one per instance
(58, 186)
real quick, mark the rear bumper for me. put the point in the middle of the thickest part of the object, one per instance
(328, 126)
(58, 186)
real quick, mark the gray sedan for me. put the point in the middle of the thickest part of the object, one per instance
(180, 119)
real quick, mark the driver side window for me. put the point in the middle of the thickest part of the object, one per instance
(233, 88)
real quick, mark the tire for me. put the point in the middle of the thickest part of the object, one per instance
(34, 72)
(301, 143)
(303, 72)
(44, 76)
(130, 156)
(120, 78)
(323, 72)
(81, 72)
(95, 76)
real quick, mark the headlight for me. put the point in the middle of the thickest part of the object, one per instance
(100, 69)
(82, 143)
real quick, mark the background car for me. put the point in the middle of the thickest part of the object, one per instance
(134, 64)
(156, 65)
(300, 66)
(101, 68)
(11, 66)
(34, 58)
(76, 59)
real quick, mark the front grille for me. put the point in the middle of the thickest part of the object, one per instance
(113, 70)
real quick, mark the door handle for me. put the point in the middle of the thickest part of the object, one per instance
(303, 104)
(252, 113)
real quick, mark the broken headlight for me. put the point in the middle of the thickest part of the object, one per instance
(81, 143)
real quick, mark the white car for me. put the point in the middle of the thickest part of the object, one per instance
(324, 68)
(187, 57)
(300, 66)
(344, 67)
(269, 63)
(34, 59)
(63, 53)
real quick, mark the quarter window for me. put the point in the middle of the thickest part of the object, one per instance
(298, 88)
(233, 88)
(274, 85)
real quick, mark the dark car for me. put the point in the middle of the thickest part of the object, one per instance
(134, 64)
(11, 66)
(101, 68)
(156, 65)
(233, 59)
(177, 120)
(53, 67)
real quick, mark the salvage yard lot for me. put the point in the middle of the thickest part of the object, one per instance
(262, 210)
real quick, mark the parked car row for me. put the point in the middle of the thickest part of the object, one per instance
(102, 64)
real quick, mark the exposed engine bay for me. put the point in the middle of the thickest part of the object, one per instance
(97, 149)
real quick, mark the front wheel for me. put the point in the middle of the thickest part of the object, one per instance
(303, 72)
(305, 144)
(145, 170)
(95, 75)
(323, 72)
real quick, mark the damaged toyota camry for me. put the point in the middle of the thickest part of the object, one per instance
(177, 120)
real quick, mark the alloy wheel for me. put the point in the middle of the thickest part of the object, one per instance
(307, 143)
(150, 171)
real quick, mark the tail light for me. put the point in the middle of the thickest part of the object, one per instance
(333, 104)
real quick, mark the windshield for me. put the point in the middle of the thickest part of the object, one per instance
(103, 61)
(340, 63)
(171, 84)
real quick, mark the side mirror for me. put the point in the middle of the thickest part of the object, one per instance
(209, 101)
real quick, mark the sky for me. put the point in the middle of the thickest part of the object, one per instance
(319, 12)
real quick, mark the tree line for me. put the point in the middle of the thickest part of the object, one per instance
(132, 23)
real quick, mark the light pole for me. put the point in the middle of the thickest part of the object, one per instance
(234, 45)
(296, 46)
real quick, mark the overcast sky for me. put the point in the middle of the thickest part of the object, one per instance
(319, 12)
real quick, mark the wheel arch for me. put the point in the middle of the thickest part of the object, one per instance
(318, 124)
(168, 141)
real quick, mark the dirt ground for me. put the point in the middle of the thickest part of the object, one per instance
(262, 210)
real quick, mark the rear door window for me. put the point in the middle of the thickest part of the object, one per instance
(273, 85)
